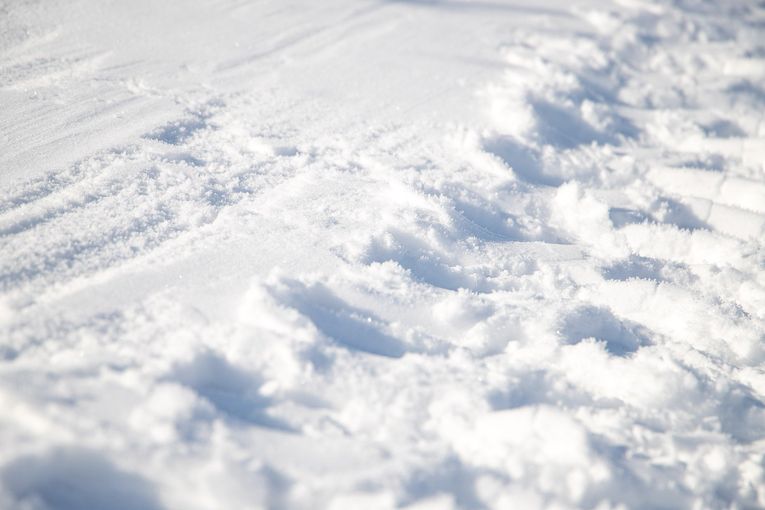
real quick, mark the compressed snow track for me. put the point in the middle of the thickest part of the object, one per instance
(382, 254)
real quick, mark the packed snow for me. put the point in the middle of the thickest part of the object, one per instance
(377, 254)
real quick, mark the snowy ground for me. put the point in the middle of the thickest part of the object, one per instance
(370, 254)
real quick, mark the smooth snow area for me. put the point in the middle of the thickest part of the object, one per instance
(376, 254)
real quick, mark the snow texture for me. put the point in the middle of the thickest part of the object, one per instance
(376, 254)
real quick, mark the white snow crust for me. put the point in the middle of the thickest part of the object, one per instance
(377, 254)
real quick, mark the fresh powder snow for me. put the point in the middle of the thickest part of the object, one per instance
(378, 254)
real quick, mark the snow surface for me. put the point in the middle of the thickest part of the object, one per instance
(370, 254)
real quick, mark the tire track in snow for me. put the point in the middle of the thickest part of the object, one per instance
(121, 204)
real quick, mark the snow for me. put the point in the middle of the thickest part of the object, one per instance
(422, 254)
